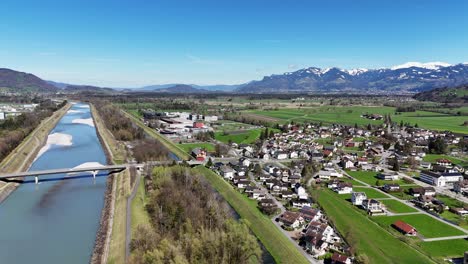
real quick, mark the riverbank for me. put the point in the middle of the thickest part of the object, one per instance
(110, 239)
(22, 157)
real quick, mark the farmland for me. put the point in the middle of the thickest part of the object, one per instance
(426, 225)
(352, 115)
(369, 239)
(445, 248)
(239, 137)
(189, 146)
(397, 206)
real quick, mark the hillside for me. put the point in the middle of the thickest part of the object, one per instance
(181, 88)
(406, 78)
(15, 81)
(445, 95)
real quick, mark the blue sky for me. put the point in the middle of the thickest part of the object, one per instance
(133, 43)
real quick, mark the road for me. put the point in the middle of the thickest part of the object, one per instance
(128, 225)
(277, 224)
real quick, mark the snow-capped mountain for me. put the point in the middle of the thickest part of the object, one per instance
(411, 77)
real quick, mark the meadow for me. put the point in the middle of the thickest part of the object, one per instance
(189, 146)
(367, 238)
(426, 225)
(397, 206)
(352, 115)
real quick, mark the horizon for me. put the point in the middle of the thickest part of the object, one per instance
(135, 44)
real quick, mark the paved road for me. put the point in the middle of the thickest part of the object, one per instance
(277, 224)
(128, 226)
(443, 238)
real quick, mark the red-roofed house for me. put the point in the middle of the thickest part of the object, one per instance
(405, 228)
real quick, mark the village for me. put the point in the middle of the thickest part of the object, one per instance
(382, 171)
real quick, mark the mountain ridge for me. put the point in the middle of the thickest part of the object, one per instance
(406, 78)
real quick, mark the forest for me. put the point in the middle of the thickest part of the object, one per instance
(190, 223)
(144, 148)
(15, 129)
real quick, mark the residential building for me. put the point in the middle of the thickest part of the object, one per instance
(440, 179)
(358, 197)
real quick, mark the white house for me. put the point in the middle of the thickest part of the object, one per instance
(281, 155)
(226, 172)
(301, 192)
(358, 197)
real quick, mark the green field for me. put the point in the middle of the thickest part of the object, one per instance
(189, 146)
(247, 137)
(279, 246)
(397, 206)
(370, 192)
(426, 225)
(352, 115)
(445, 248)
(370, 177)
(434, 157)
(403, 194)
(367, 238)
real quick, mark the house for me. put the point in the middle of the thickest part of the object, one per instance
(426, 165)
(291, 219)
(300, 191)
(340, 259)
(461, 187)
(459, 211)
(310, 214)
(299, 203)
(358, 197)
(440, 179)
(281, 155)
(327, 174)
(405, 228)
(391, 187)
(444, 162)
(388, 176)
(347, 164)
(199, 154)
(293, 155)
(343, 188)
(422, 191)
(226, 172)
(244, 161)
(241, 184)
(372, 206)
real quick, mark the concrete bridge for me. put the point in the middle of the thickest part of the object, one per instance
(91, 169)
(94, 170)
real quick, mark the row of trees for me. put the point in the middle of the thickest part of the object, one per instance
(190, 224)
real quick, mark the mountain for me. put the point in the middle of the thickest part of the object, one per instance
(445, 95)
(86, 88)
(15, 81)
(410, 77)
(220, 87)
(181, 88)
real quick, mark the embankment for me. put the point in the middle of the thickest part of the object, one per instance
(115, 153)
(22, 157)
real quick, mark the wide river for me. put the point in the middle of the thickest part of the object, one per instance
(56, 221)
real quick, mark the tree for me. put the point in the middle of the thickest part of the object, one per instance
(209, 163)
(437, 146)
(396, 165)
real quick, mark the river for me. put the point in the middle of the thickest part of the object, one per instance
(56, 221)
